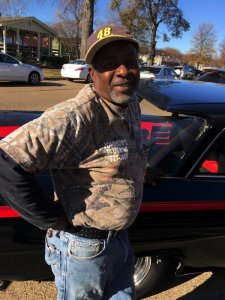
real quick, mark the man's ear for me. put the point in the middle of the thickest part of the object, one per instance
(92, 73)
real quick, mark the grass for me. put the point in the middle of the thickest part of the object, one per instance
(52, 73)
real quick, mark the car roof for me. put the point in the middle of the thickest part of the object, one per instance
(209, 69)
(78, 60)
(148, 66)
(184, 96)
(6, 54)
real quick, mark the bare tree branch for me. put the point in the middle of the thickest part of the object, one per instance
(203, 43)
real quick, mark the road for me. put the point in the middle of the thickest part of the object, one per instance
(206, 286)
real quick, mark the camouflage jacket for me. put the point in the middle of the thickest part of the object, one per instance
(95, 152)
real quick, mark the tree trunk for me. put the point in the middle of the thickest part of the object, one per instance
(87, 24)
(152, 44)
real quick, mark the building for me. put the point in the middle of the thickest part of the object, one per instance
(28, 38)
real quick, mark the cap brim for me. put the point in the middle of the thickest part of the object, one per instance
(100, 43)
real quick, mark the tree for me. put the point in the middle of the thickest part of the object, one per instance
(170, 56)
(203, 44)
(82, 13)
(69, 26)
(87, 23)
(222, 52)
(13, 7)
(163, 12)
(77, 18)
(151, 14)
(130, 15)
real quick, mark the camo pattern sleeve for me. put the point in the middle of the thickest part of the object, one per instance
(46, 142)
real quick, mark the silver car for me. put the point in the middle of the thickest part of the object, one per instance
(11, 69)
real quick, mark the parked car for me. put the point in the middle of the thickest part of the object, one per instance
(197, 72)
(216, 75)
(76, 69)
(11, 69)
(180, 225)
(160, 72)
(187, 72)
(184, 72)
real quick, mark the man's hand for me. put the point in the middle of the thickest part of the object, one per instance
(62, 223)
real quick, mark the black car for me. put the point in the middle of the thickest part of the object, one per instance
(181, 221)
(216, 75)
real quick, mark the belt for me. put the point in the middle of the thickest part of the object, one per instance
(91, 232)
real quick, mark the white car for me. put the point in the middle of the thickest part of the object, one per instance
(11, 69)
(76, 69)
(160, 72)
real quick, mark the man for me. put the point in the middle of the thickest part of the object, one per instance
(93, 146)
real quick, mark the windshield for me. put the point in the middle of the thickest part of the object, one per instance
(169, 138)
(78, 62)
(150, 70)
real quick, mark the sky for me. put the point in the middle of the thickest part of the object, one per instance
(195, 12)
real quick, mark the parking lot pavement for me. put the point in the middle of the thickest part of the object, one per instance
(205, 286)
(21, 96)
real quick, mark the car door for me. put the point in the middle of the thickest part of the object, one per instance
(10, 68)
(190, 198)
(2, 68)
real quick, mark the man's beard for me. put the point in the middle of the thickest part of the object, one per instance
(121, 99)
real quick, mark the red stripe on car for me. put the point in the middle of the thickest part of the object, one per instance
(184, 206)
(5, 130)
(7, 212)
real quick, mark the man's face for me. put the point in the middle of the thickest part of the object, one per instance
(115, 72)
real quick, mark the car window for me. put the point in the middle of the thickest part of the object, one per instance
(177, 71)
(173, 73)
(167, 72)
(222, 77)
(170, 138)
(211, 77)
(214, 164)
(78, 62)
(8, 59)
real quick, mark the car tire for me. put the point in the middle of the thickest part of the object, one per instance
(70, 79)
(88, 79)
(148, 273)
(34, 78)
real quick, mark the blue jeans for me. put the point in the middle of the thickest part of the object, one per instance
(91, 269)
